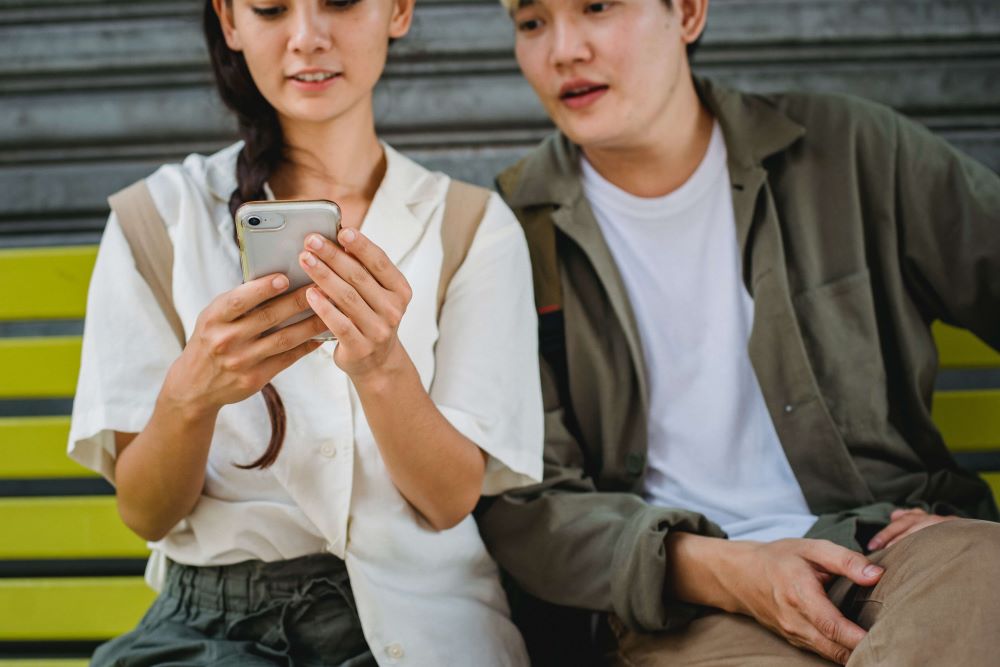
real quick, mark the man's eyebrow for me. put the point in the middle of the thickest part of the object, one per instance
(525, 3)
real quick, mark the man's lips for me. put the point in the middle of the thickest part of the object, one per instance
(580, 88)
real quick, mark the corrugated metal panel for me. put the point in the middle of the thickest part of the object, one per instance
(95, 94)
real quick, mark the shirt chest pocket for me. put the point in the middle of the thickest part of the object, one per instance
(840, 332)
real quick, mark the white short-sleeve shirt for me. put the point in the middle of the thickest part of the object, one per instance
(424, 597)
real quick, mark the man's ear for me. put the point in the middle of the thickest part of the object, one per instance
(402, 18)
(692, 14)
(224, 10)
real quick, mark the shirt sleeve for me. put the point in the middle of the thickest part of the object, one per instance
(128, 346)
(486, 358)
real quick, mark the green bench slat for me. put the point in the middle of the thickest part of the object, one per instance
(35, 447)
(65, 527)
(71, 608)
(45, 283)
(39, 367)
(969, 420)
(957, 348)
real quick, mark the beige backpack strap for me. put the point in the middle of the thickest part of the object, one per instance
(464, 207)
(146, 233)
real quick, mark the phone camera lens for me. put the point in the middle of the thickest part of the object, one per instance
(253, 221)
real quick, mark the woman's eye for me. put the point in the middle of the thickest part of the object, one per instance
(528, 25)
(598, 7)
(342, 4)
(268, 12)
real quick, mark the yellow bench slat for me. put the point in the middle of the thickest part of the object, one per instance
(42, 662)
(35, 447)
(39, 367)
(71, 608)
(957, 348)
(65, 527)
(969, 420)
(45, 283)
(993, 479)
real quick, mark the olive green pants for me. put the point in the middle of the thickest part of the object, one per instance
(296, 612)
(938, 603)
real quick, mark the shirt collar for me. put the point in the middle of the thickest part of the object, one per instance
(400, 210)
(753, 129)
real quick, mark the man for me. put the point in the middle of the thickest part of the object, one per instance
(735, 294)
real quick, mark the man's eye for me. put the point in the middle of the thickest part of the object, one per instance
(342, 4)
(268, 12)
(528, 25)
(598, 7)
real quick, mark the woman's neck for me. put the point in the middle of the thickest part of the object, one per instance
(340, 160)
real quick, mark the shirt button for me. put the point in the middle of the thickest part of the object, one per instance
(394, 651)
(328, 450)
(789, 408)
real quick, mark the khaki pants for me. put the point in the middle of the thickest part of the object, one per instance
(938, 603)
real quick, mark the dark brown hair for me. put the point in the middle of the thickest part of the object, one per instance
(263, 149)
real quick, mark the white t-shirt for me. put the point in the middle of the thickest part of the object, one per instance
(712, 445)
(424, 597)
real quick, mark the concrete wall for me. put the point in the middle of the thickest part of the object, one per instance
(94, 95)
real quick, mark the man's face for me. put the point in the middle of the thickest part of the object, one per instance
(605, 71)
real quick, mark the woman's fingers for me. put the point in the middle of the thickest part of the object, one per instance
(344, 296)
(339, 324)
(274, 312)
(286, 338)
(379, 298)
(237, 302)
(375, 261)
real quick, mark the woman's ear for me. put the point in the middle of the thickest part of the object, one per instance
(402, 18)
(224, 10)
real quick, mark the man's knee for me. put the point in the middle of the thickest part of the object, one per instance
(961, 543)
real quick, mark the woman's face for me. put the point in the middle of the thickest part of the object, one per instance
(314, 60)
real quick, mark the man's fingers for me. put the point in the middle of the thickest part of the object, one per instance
(828, 649)
(898, 527)
(836, 559)
(827, 619)
(235, 303)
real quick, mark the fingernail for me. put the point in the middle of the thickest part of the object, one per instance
(315, 242)
(873, 571)
(873, 545)
(312, 294)
(279, 282)
(347, 235)
(309, 258)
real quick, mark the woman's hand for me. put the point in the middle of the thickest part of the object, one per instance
(361, 296)
(227, 360)
(904, 522)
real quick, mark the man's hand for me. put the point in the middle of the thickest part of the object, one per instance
(780, 584)
(904, 522)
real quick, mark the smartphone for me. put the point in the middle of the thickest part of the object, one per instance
(272, 234)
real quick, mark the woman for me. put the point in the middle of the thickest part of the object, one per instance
(346, 539)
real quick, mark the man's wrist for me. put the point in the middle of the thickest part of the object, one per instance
(700, 569)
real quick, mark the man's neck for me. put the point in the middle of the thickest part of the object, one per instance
(665, 156)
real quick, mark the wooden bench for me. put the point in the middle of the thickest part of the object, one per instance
(70, 572)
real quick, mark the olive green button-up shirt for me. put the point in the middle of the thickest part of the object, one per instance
(857, 229)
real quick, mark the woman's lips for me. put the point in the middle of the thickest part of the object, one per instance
(314, 86)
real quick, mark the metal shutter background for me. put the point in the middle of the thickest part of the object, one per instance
(94, 95)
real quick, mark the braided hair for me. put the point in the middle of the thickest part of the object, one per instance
(263, 149)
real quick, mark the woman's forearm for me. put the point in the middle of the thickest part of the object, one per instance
(436, 468)
(159, 473)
